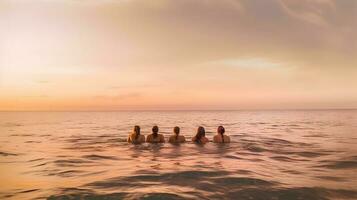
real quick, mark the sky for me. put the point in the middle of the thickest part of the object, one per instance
(177, 54)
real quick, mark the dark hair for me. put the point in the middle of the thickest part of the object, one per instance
(221, 131)
(200, 133)
(177, 131)
(155, 130)
(136, 131)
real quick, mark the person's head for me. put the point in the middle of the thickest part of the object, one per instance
(155, 130)
(221, 130)
(177, 130)
(137, 131)
(200, 133)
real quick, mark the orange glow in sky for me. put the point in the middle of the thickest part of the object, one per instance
(168, 54)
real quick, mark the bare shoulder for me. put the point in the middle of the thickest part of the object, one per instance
(162, 138)
(142, 137)
(205, 139)
(172, 138)
(182, 138)
(227, 138)
(215, 138)
(130, 137)
(148, 138)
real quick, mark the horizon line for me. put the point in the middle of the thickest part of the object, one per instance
(185, 110)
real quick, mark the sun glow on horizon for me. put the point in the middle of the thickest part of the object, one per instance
(177, 55)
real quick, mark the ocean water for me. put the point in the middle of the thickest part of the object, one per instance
(273, 155)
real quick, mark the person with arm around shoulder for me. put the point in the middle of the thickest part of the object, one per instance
(155, 137)
(136, 137)
(200, 137)
(220, 137)
(177, 138)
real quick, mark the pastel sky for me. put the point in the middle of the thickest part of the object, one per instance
(177, 54)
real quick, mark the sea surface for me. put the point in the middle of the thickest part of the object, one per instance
(305, 154)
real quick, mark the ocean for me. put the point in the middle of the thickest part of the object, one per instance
(292, 154)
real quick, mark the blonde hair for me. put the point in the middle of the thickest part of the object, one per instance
(136, 131)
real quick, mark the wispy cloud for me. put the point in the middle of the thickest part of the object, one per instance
(250, 63)
(311, 11)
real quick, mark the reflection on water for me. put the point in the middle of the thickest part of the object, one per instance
(273, 155)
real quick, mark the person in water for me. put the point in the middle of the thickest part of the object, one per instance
(177, 138)
(136, 137)
(155, 137)
(200, 136)
(220, 137)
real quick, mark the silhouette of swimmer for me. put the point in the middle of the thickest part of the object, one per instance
(136, 137)
(177, 138)
(220, 137)
(200, 136)
(155, 137)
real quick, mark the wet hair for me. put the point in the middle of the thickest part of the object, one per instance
(155, 130)
(177, 131)
(136, 131)
(200, 133)
(221, 131)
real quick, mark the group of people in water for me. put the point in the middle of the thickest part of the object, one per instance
(136, 137)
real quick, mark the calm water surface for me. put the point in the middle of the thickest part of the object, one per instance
(274, 155)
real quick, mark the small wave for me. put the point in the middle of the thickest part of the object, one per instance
(16, 192)
(107, 135)
(297, 193)
(121, 195)
(27, 191)
(99, 157)
(241, 181)
(254, 148)
(71, 162)
(34, 160)
(292, 171)
(32, 141)
(316, 135)
(2, 153)
(22, 135)
(57, 172)
(233, 157)
(284, 158)
(341, 164)
(44, 135)
(265, 191)
(41, 164)
(11, 124)
(69, 173)
(310, 154)
(156, 195)
(178, 178)
(331, 178)
(278, 141)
